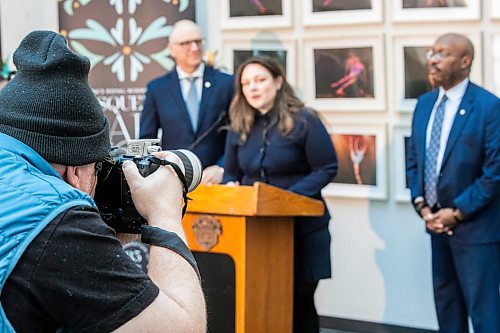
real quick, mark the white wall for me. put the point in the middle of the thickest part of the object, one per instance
(381, 254)
(19, 17)
(381, 266)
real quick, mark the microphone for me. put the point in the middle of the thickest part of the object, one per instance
(209, 130)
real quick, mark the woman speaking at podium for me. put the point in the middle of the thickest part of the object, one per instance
(274, 139)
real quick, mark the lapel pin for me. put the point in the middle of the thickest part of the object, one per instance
(462, 112)
(207, 84)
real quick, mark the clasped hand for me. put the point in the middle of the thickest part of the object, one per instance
(439, 222)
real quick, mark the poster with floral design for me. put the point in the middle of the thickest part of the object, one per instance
(126, 42)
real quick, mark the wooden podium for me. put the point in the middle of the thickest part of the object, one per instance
(242, 238)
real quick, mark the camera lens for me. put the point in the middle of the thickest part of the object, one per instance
(190, 166)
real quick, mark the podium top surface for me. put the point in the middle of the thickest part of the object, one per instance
(257, 200)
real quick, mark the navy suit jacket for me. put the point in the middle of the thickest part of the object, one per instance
(470, 173)
(164, 108)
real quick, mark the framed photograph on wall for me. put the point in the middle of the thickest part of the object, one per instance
(331, 12)
(436, 10)
(361, 153)
(410, 68)
(248, 14)
(400, 137)
(346, 75)
(237, 51)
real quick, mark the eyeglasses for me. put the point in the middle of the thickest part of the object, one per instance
(186, 44)
(436, 55)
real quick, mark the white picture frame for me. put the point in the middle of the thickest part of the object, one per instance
(321, 57)
(344, 16)
(399, 144)
(401, 101)
(257, 21)
(495, 9)
(374, 171)
(266, 45)
(496, 63)
(464, 10)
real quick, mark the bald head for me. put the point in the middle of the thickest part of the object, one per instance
(182, 28)
(186, 45)
(460, 42)
(451, 60)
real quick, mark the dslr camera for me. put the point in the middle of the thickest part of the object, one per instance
(113, 197)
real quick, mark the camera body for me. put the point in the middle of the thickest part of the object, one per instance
(113, 196)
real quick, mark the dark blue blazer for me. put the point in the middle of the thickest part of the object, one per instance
(470, 173)
(302, 162)
(164, 108)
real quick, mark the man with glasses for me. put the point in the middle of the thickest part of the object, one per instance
(453, 168)
(189, 104)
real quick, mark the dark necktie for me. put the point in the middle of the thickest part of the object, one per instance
(431, 155)
(193, 106)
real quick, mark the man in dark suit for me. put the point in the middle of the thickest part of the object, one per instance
(453, 169)
(189, 103)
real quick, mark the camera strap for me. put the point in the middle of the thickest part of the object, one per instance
(180, 174)
(169, 240)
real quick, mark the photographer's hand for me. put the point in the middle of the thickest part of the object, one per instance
(157, 197)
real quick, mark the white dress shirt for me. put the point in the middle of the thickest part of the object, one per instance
(455, 95)
(184, 80)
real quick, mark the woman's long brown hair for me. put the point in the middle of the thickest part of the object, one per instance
(242, 115)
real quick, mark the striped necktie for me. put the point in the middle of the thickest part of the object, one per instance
(431, 155)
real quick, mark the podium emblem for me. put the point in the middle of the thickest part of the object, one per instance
(207, 231)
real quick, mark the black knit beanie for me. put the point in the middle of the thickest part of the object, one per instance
(49, 104)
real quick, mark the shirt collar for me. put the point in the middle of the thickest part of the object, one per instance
(456, 92)
(197, 73)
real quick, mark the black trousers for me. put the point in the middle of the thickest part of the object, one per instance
(305, 317)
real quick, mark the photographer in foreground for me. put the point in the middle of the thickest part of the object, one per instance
(61, 266)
